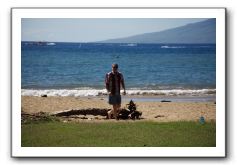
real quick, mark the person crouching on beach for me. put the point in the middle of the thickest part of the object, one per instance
(113, 81)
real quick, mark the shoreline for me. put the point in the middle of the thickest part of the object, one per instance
(89, 92)
(155, 98)
(150, 106)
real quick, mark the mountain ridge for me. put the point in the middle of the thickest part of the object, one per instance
(200, 32)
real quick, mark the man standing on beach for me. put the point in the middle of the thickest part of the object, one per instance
(113, 81)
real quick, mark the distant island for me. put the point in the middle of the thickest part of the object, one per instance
(201, 32)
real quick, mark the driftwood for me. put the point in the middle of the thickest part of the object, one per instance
(90, 111)
(125, 113)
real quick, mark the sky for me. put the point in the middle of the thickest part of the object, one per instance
(94, 29)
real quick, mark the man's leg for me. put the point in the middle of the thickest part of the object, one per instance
(110, 113)
(116, 110)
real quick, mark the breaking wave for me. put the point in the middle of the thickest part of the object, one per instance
(97, 92)
(172, 47)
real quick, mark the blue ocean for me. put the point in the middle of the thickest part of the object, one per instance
(78, 69)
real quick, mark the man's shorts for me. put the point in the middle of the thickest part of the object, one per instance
(114, 99)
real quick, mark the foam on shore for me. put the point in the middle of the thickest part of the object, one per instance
(98, 92)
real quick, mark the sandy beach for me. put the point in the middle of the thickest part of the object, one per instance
(151, 110)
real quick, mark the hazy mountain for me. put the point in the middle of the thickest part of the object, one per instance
(200, 32)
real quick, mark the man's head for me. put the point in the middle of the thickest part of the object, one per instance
(114, 67)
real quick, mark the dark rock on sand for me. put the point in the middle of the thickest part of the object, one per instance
(159, 116)
(165, 101)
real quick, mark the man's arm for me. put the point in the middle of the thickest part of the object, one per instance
(123, 84)
(107, 82)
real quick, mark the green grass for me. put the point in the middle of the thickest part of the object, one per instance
(119, 134)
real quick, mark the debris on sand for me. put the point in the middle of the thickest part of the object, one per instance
(89, 111)
(44, 96)
(130, 112)
(78, 114)
(159, 116)
(164, 101)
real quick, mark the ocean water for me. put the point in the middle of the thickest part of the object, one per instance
(78, 69)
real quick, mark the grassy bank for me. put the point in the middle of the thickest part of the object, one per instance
(119, 134)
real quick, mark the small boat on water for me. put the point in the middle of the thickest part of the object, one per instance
(50, 43)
